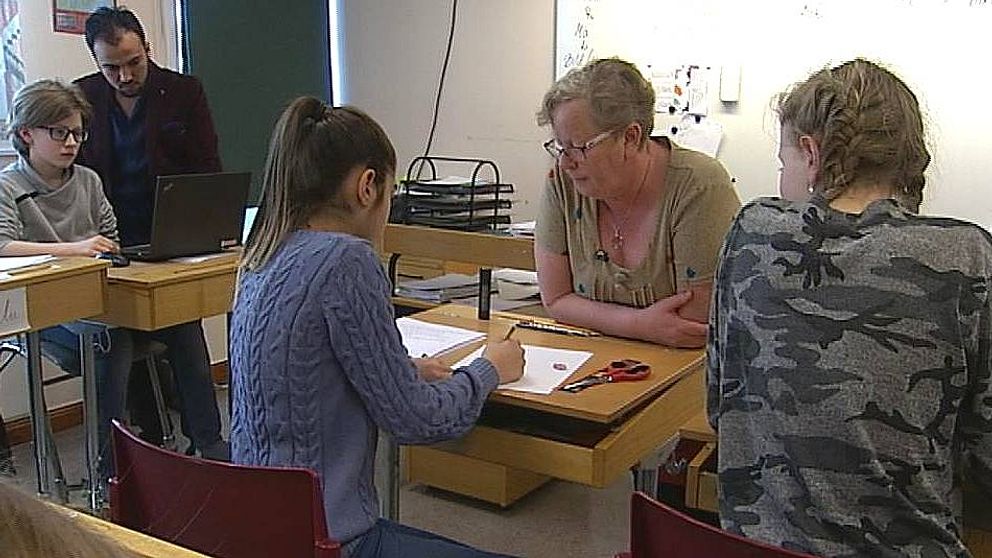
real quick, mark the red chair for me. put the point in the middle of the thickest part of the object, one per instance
(217, 508)
(657, 530)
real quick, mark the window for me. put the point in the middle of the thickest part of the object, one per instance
(11, 63)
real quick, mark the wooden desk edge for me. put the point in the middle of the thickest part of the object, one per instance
(182, 273)
(134, 541)
(58, 269)
(648, 395)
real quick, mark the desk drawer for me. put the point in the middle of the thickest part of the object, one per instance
(596, 463)
(64, 299)
(156, 307)
(701, 481)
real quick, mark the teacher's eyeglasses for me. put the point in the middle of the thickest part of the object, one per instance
(575, 152)
(61, 133)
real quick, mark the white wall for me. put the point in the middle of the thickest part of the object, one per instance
(49, 54)
(936, 46)
(501, 64)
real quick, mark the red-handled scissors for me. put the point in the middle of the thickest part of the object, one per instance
(626, 370)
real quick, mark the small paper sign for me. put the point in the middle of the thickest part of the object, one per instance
(13, 312)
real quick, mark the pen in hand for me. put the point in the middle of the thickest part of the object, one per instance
(509, 332)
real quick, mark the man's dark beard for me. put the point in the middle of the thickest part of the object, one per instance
(135, 93)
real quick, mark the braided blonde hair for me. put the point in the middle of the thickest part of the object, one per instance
(868, 125)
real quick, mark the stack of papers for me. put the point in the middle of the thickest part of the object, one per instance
(424, 339)
(525, 229)
(544, 368)
(515, 284)
(440, 289)
(13, 263)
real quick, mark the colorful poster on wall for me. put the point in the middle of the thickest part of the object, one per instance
(69, 16)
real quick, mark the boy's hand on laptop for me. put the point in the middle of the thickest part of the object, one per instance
(92, 246)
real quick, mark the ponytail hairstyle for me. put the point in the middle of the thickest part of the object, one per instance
(868, 126)
(313, 148)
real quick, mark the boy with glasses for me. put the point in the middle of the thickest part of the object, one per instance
(50, 205)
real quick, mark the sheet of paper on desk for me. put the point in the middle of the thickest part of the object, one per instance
(452, 181)
(10, 263)
(203, 257)
(423, 338)
(544, 368)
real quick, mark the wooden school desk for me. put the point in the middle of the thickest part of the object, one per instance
(425, 252)
(591, 437)
(60, 291)
(701, 487)
(153, 296)
(140, 544)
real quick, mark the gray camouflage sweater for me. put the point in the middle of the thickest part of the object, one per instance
(849, 377)
(31, 210)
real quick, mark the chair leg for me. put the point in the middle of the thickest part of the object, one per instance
(6, 455)
(168, 437)
(59, 485)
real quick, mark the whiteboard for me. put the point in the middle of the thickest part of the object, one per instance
(936, 46)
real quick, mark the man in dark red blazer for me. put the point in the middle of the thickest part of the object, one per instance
(149, 121)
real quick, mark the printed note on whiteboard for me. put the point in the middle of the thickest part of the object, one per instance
(13, 311)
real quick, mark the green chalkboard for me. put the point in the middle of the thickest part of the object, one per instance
(254, 56)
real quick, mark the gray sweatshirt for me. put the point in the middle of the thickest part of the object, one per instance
(31, 210)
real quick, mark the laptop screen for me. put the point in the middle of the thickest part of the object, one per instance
(250, 213)
(196, 214)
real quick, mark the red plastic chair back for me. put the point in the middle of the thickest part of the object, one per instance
(215, 508)
(657, 530)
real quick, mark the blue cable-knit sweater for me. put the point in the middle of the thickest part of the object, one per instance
(318, 365)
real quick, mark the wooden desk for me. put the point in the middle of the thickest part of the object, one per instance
(590, 437)
(133, 541)
(471, 252)
(152, 296)
(977, 537)
(68, 289)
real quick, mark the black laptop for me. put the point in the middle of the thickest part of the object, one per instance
(195, 214)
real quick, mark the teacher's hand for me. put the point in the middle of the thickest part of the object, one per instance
(662, 324)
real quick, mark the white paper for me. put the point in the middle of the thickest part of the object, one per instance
(524, 228)
(201, 258)
(453, 181)
(13, 312)
(427, 339)
(519, 276)
(544, 368)
(9, 263)
(704, 136)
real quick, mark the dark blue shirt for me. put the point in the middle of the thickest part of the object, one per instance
(132, 196)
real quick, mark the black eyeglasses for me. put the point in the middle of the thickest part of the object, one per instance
(575, 152)
(61, 133)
